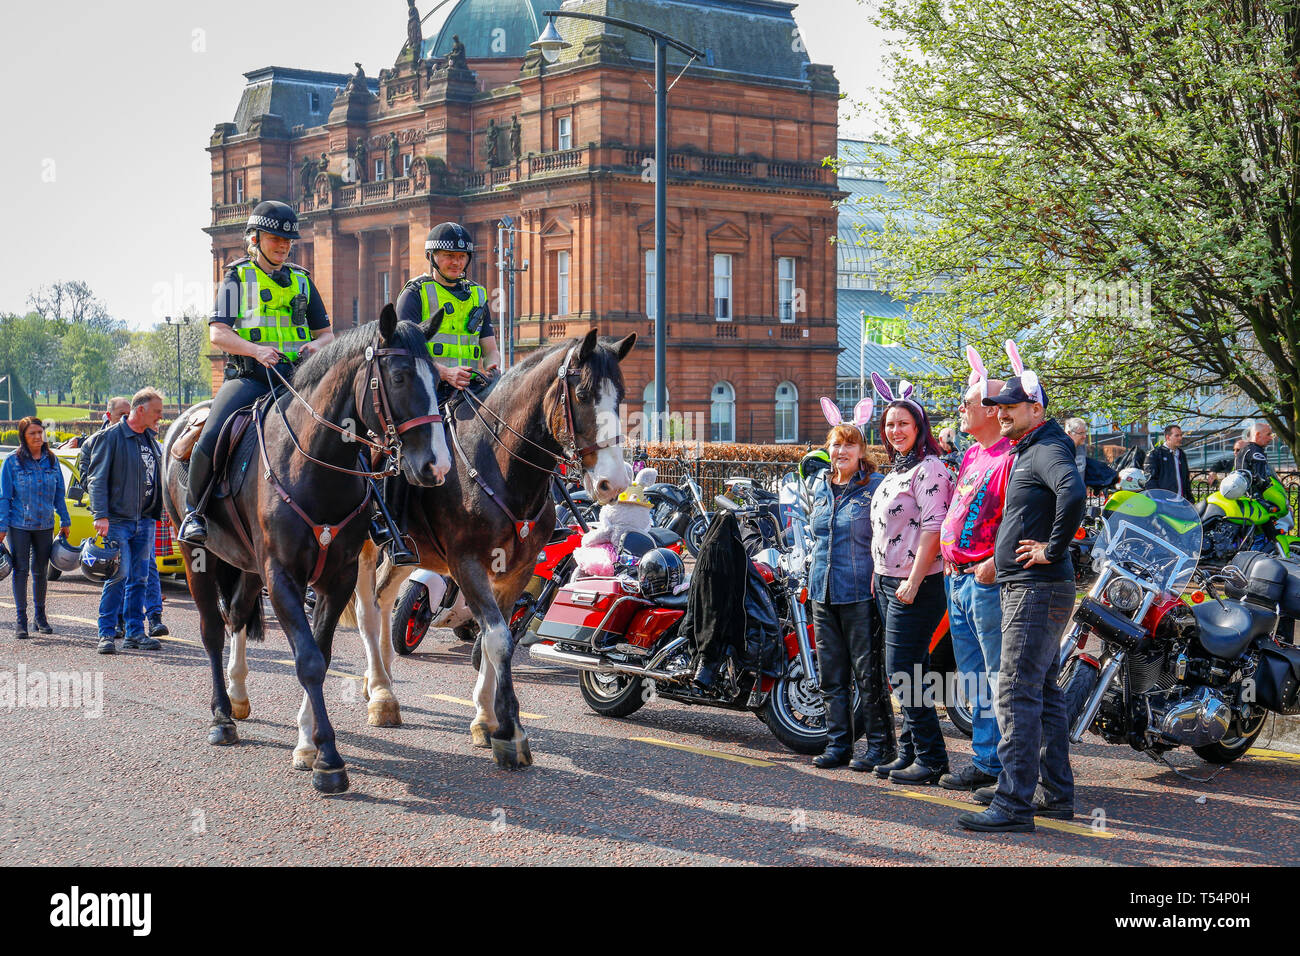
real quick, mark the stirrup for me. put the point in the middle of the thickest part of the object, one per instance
(198, 530)
(399, 553)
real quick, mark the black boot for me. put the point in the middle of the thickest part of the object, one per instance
(194, 528)
(385, 533)
(20, 604)
(42, 624)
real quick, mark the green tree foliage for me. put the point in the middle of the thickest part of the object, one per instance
(1115, 186)
(87, 354)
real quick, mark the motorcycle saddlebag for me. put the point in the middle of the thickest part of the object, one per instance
(1267, 580)
(1277, 679)
(590, 611)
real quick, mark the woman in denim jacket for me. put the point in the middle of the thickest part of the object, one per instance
(31, 493)
(849, 647)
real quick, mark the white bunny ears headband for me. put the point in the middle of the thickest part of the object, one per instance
(861, 413)
(979, 375)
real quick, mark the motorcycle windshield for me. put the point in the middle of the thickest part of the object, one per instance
(1155, 535)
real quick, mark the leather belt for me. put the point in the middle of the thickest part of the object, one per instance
(951, 567)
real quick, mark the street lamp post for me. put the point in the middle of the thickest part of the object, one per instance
(183, 320)
(550, 43)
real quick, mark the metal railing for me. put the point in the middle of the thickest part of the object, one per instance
(711, 475)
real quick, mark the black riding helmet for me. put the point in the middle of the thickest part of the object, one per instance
(277, 218)
(449, 237)
(100, 562)
(660, 572)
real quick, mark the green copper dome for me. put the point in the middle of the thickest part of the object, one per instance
(491, 28)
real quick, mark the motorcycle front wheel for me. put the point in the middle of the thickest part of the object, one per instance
(1077, 682)
(614, 695)
(1240, 740)
(411, 618)
(695, 533)
(957, 706)
(796, 715)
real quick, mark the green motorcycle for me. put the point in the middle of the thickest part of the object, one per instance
(1234, 520)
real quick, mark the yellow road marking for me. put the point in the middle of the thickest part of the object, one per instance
(1061, 825)
(1271, 754)
(86, 620)
(749, 761)
(470, 703)
(332, 673)
(179, 640)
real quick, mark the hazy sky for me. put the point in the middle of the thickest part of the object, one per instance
(110, 105)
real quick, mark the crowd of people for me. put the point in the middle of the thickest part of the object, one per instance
(991, 547)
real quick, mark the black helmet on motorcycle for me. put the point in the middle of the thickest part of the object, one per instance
(63, 555)
(6, 562)
(660, 572)
(100, 562)
(277, 218)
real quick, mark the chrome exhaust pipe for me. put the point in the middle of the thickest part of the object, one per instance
(549, 654)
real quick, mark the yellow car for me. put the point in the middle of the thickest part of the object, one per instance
(165, 553)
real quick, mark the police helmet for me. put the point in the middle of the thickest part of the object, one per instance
(449, 237)
(100, 562)
(660, 572)
(63, 555)
(277, 218)
(1132, 479)
(1235, 485)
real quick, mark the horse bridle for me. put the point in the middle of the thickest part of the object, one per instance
(566, 374)
(389, 432)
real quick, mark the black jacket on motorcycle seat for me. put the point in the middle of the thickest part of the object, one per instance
(728, 609)
(1044, 502)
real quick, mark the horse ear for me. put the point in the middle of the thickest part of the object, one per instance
(588, 346)
(430, 328)
(862, 412)
(831, 412)
(882, 387)
(624, 346)
(388, 322)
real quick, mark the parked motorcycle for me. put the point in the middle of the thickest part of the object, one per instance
(1170, 673)
(1236, 521)
(680, 508)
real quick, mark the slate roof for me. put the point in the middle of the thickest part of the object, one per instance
(287, 93)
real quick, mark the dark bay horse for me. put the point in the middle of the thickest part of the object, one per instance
(487, 523)
(301, 515)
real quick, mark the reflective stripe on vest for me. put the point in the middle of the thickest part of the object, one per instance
(266, 313)
(453, 345)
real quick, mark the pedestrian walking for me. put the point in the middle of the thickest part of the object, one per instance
(1042, 508)
(1167, 467)
(974, 604)
(849, 645)
(907, 512)
(126, 501)
(31, 494)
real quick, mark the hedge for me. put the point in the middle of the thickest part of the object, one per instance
(734, 451)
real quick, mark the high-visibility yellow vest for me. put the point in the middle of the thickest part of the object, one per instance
(453, 345)
(266, 309)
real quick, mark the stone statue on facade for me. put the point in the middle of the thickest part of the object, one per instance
(394, 154)
(359, 154)
(307, 175)
(516, 138)
(493, 144)
(456, 58)
(357, 81)
(414, 39)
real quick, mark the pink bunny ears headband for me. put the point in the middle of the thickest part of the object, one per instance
(978, 374)
(861, 413)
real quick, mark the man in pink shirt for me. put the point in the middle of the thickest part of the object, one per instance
(974, 607)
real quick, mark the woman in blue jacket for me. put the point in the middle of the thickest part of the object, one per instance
(843, 612)
(31, 494)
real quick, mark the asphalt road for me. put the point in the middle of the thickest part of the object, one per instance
(138, 784)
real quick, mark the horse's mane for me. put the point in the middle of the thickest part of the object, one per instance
(601, 365)
(348, 345)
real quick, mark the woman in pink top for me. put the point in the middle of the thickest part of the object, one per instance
(907, 512)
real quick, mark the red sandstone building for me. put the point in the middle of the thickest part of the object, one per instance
(481, 128)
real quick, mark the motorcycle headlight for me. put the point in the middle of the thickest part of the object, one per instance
(1123, 595)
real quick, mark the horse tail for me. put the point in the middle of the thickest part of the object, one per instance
(348, 616)
(246, 608)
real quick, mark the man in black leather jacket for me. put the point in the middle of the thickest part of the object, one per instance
(1043, 506)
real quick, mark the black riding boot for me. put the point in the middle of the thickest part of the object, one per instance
(384, 530)
(39, 585)
(194, 528)
(20, 604)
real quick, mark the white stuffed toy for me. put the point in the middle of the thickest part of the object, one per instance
(630, 512)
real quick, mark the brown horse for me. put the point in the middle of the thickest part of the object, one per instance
(300, 516)
(485, 525)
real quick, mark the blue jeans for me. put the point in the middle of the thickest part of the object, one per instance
(135, 539)
(908, 630)
(1031, 709)
(975, 619)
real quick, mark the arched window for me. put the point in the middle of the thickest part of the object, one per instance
(787, 412)
(648, 413)
(722, 413)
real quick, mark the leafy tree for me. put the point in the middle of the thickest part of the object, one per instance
(72, 303)
(89, 354)
(194, 365)
(134, 366)
(1114, 185)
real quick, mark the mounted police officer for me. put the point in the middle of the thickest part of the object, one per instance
(465, 335)
(268, 315)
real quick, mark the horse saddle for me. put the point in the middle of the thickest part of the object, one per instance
(233, 450)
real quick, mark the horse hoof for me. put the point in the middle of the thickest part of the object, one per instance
(512, 754)
(480, 735)
(223, 735)
(384, 713)
(330, 781)
(240, 709)
(303, 759)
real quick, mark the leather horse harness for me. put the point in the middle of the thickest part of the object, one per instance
(571, 456)
(387, 444)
